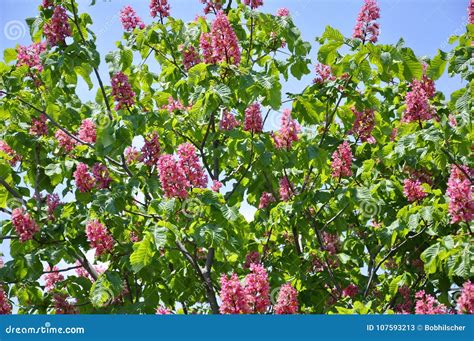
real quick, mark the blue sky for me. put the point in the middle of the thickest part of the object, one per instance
(425, 26)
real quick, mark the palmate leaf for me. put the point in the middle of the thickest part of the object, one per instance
(143, 253)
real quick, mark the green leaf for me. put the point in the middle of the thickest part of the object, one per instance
(143, 253)
(437, 65)
(105, 289)
(430, 256)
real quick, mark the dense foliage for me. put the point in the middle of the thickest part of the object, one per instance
(364, 194)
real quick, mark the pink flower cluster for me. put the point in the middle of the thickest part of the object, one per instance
(283, 12)
(62, 306)
(98, 237)
(30, 56)
(323, 74)
(287, 301)
(342, 161)
(87, 131)
(418, 107)
(5, 306)
(52, 277)
(253, 119)
(130, 19)
(331, 242)
(14, 157)
(52, 202)
(470, 12)
(159, 7)
(265, 200)
(413, 190)
(460, 194)
(288, 132)
(101, 175)
(252, 297)
(132, 155)
(212, 6)
(363, 125)
(82, 272)
(122, 91)
(65, 141)
(46, 4)
(350, 291)
(465, 301)
(24, 225)
(172, 177)
(216, 186)
(84, 180)
(428, 305)
(57, 28)
(190, 56)
(228, 121)
(163, 311)
(189, 163)
(251, 258)
(285, 189)
(406, 305)
(39, 126)
(253, 3)
(221, 44)
(150, 151)
(366, 28)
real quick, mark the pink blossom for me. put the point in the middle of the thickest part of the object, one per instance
(24, 225)
(331, 242)
(189, 163)
(265, 200)
(190, 56)
(52, 277)
(57, 28)
(460, 194)
(84, 180)
(221, 44)
(427, 304)
(285, 189)
(470, 12)
(228, 121)
(39, 126)
(1, 263)
(406, 305)
(418, 107)
(257, 289)
(342, 161)
(174, 105)
(14, 157)
(82, 272)
(99, 238)
(394, 134)
(323, 74)
(363, 125)
(62, 306)
(288, 132)
(163, 311)
(172, 177)
(287, 302)
(101, 175)
(5, 306)
(52, 202)
(30, 56)
(465, 301)
(366, 28)
(253, 3)
(212, 5)
(65, 141)
(132, 155)
(350, 291)
(452, 121)
(122, 91)
(253, 119)
(283, 12)
(151, 150)
(233, 297)
(216, 186)
(130, 20)
(251, 258)
(413, 190)
(134, 237)
(87, 131)
(46, 3)
(159, 7)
